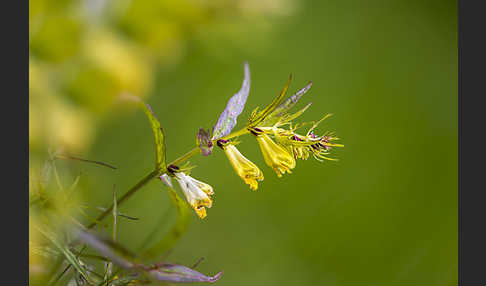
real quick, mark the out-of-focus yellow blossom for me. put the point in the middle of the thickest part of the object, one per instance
(55, 38)
(38, 79)
(275, 7)
(37, 261)
(35, 131)
(69, 127)
(246, 169)
(197, 193)
(125, 61)
(88, 52)
(53, 121)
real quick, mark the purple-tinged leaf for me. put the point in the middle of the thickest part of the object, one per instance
(108, 248)
(261, 116)
(204, 142)
(125, 259)
(285, 106)
(180, 273)
(291, 101)
(227, 119)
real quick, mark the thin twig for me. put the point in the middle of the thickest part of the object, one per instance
(127, 195)
(157, 173)
(64, 156)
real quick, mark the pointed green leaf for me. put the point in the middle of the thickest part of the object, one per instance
(289, 117)
(285, 106)
(64, 249)
(262, 115)
(160, 163)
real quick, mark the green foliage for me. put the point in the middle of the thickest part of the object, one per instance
(176, 232)
(386, 216)
(158, 138)
(63, 248)
(58, 39)
(160, 164)
(159, 271)
(282, 109)
(259, 117)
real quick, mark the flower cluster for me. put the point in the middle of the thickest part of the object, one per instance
(275, 133)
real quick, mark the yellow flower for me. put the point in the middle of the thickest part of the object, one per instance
(275, 156)
(300, 152)
(197, 193)
(246, 169)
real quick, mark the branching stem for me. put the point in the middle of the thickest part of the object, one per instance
(158, 173)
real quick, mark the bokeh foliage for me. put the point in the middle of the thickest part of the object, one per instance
(385, 214)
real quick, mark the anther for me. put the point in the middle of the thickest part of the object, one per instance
(221, 143)
(172, 169)
(256, 131)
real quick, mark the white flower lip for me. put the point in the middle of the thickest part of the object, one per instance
(197, 193)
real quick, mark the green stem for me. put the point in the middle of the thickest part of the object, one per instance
(127, 195)
(235, 134)
(196, 150)
(184, 157)
(157, 173)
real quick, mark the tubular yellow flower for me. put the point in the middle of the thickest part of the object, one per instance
(197, 193)
(275, 156)
(246, 169)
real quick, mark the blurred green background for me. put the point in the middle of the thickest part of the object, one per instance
(384, 214)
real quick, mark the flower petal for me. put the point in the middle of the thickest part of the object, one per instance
(197, 193)
(246, 169)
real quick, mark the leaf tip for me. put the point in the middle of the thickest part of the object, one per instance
(216, 277)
